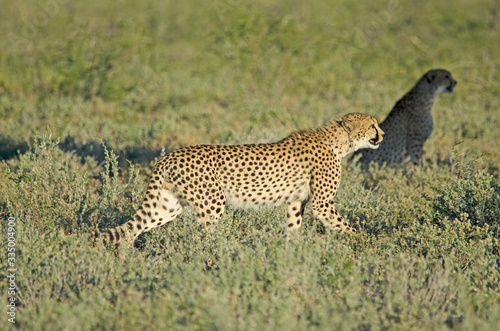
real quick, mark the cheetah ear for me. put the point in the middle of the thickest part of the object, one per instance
(430, 78)
(346, 125)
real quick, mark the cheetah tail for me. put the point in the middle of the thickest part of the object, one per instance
(133, 228)
(127, 231)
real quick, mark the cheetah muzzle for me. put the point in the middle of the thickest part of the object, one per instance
(303, 167)
(451, 87)
(375, 142)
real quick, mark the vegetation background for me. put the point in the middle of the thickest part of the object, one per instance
(92, 92)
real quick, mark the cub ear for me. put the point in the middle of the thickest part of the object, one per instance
(430, 78)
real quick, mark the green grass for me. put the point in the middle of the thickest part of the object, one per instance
(91, 93)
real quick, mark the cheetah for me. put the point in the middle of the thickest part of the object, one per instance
(409, 123)
(303, 166)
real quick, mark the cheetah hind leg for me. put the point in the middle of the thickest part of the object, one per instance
(156, 210)
(210, 209)
(295, 211)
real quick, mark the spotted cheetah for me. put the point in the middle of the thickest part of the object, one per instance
(303, 166)
(409, 123)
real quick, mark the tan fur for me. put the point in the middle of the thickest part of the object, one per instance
(304, 166)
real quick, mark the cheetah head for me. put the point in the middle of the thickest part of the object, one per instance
(438, 81)
(363, 131)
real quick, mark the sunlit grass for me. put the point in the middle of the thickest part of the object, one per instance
(97, 84)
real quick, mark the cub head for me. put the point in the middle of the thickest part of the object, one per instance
(438, 81)
(363, 131)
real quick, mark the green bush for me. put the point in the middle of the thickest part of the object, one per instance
(472, 196)
(40, 200)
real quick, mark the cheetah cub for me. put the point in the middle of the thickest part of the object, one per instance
(409, 123)
(303, 166)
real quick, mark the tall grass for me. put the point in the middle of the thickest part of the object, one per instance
(91, 95)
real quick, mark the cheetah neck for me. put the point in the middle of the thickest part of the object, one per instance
(339, 140)
(420, 98)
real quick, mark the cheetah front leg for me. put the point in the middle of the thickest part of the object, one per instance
(331, 218)
(416, 152)
(417, 136)
(323, 192)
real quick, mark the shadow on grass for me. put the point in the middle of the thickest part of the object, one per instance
(96, 150)
(10, 148)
